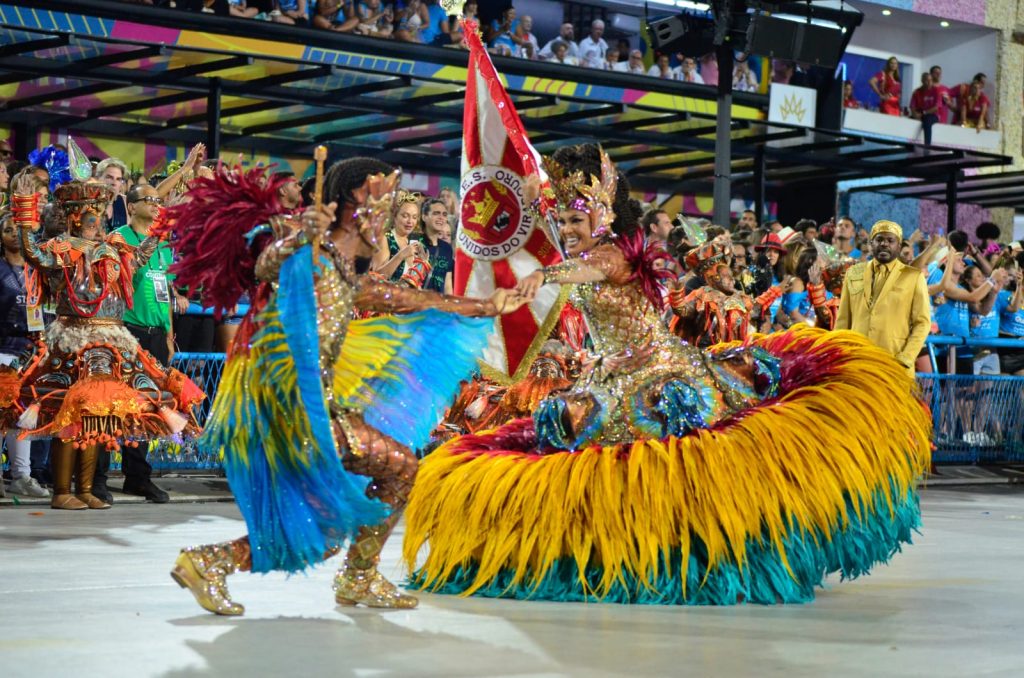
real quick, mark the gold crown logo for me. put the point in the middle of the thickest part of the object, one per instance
(483, 210)
(793, 106)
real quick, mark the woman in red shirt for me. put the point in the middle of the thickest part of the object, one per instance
(886, 84)
(974, 107)
(848, 100)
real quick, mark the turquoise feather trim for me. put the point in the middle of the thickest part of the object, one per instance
(296, 300)
(270, 422)
(438, 350)
(868, 538)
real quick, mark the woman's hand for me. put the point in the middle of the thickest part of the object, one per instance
(195, 156)
(532, 189)
(315, 223)
(814, 272)
(506, 301)
(23, 185)
(529, 285)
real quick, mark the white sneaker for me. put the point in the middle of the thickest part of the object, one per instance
(27, 486)
(979, 439)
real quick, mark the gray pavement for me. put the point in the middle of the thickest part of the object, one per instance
(88, 593)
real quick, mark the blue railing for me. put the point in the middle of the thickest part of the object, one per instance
(938, 343)
(977, 418)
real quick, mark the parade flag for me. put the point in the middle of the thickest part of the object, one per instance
(501, 237)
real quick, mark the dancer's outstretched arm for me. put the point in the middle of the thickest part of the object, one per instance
(385, 297)
(605, 262)
(25, 211)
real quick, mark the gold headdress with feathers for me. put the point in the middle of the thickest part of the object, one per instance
(593, 195)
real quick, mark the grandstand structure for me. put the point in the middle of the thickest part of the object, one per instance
(170, 79)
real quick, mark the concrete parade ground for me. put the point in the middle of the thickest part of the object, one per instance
(88, 593)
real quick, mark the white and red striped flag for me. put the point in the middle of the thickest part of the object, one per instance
(501, 237)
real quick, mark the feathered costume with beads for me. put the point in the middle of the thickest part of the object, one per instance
(274, 419)
(671, 475)
(87, 381)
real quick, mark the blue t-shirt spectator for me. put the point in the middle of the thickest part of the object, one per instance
(1009, 323)
(985, 326)
(432, 33)
(796, 301)
(339, 17)
(954, 320)
(504, 38)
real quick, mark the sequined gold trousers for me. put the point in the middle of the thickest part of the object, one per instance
(391, 468)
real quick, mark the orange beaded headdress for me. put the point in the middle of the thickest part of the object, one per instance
(704, 259)
(79, 199)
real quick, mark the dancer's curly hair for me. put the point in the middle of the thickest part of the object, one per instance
(587, 157)
(806, 258)
(345, 176)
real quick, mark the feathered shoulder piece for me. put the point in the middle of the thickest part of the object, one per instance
(209, 232)
(642, 255)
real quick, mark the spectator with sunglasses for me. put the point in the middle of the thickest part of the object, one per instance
(149, 320)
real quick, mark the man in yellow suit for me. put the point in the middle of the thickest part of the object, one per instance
(886, 300)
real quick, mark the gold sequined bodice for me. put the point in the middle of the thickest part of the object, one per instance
(620, 316)
(335, 296)
(624, 324)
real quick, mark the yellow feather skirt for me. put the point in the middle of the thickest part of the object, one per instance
(759, 508)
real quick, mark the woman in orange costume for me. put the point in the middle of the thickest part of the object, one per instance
(88, 383)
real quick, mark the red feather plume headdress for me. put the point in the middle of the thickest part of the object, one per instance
(209, 233)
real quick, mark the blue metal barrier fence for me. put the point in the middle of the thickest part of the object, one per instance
(977, 418)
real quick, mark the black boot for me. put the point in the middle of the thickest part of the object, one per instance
(144, 487)
(99, 479)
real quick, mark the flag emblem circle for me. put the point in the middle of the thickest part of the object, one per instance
(496, 221)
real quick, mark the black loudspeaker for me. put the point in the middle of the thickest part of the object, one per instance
(796, 41)
(666, 34)
(690, 34)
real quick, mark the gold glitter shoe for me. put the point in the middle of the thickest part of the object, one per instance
(354, 586)
(67, 502)
(202, 570)
(92, 501)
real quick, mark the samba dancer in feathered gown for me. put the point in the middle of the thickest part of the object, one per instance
(668, 474)
(317, 414)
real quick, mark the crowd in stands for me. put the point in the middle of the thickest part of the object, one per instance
(512, 35)
(975, 287)
(963, 104)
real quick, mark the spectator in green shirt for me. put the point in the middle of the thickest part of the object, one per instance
(149, 320)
